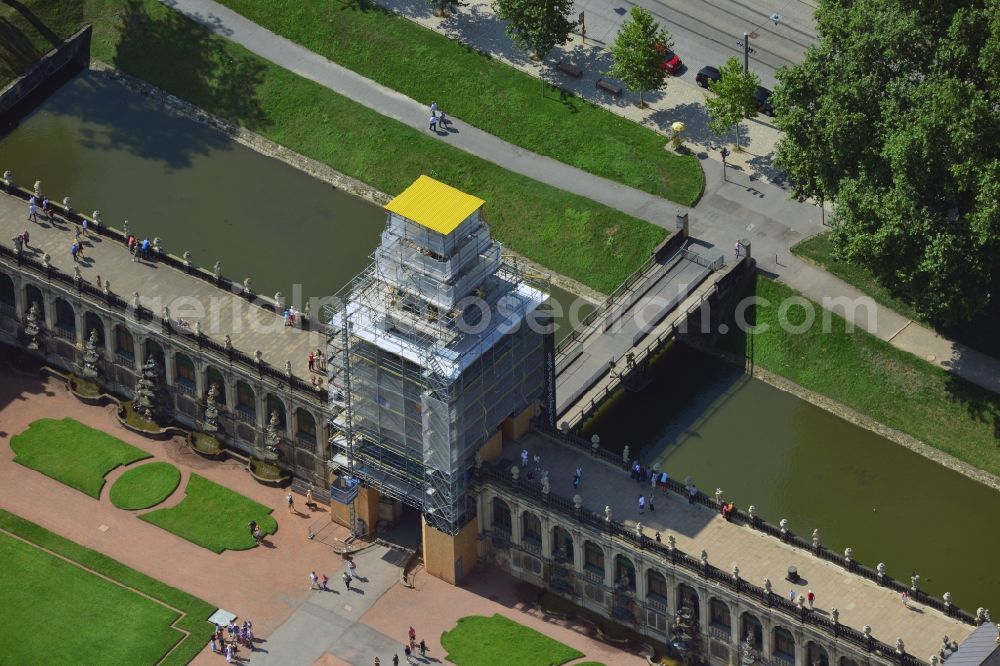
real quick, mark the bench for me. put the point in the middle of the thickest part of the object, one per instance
(568, 68)
(610, 86)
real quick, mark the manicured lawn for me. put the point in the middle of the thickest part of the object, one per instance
(145, 486)
(486, 93)
(485, 641)
(213, 517)
(568, 234)
(57, 612)
(72, 453)
(892, 386)
(980, 333)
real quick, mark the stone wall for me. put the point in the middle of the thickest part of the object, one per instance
(55, 68)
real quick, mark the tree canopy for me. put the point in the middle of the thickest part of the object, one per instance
(638, 52)
(734, 98)
(536, 25)
(895, 116)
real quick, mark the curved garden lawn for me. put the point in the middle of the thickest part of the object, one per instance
(145, 486)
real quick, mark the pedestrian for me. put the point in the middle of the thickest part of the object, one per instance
(292, 314)
(312, 361)
(692, 493)
(737, 249)
(257, 536)
(347, 581)
(353, 568)
(434, 124)
(642, 503)
(635, 471)
(652, 481)
(651, 507)
(85, 225)
(324, 581)
(32, 213)
(229, 653)
(74, 250)
(434, 108)
(145, 248)
(24, 237)
(215, 647)
(395, 660)
(313, 581)
(291, 502)
(412, 634)
(377, 662)
(252, 526)
(286, 317)
(791, 596)
(810, 597)
(407, 652)
(423, 645)
(905, 596)
(47, 209)
(442, 121)
(524, 457)
(310, 504)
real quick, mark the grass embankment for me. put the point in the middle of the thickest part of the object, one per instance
(568, 234)
(72, 453)
(483, 92)
(23, 39)
(865, 373)
(485, 641)
(57, 612)
(980, 334)
(213, 516)
(145, 486)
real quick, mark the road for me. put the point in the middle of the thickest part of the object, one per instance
(707, 32)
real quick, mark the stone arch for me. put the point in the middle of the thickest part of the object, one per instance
(593, 557)
(93, 322)
(531, 529)
(246, 399)
(501, 514)
(305, 427)
(816, 655)
(152, 348)
(65, 316)
(688, 596)
(184, 371)
(214, 376)
(276, 404)
(783, 645)
(656, 586)
(719, 615)
(124, 343)
(562, 543)
(7, 293)
(751, 626)
(33, 295)
(624, 572)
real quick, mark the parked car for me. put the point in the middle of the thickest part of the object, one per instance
(763, 97)
(670, 61)
(706, 74)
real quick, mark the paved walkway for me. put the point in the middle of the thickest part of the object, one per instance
(695, 527)
(741, 205)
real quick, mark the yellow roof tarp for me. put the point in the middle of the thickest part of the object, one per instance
(433, 204)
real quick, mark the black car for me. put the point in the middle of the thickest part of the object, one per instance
(706, 74)
(763, 97)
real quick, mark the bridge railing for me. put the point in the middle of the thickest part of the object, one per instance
(144, 314)
(678, 558)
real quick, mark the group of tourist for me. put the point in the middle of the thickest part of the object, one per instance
(317, 361)
(237, 636)
(410, 649)
(33, 209)
(138, 249)
(437, 118)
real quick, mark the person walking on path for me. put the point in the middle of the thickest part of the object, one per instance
(25, 237)
(310, 504)
(412, 634)
(145, 248)
(353, 568)
(314, 581)
(291, 502)
(423, 648)
(433, 124)
(442, 120)
(74, 250)
(347, 581)
(407, 652)
(323, 581)
(642, 503)
(32, 213)
(84, 226)
(395, 660)
(434, 108)
(905, 597)
(692, 493)
(312, 361)
(524, 457)
(791, 596)
(47, 209)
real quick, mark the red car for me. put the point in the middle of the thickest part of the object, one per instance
(670, 61)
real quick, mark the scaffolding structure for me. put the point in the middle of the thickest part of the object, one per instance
(432, 350)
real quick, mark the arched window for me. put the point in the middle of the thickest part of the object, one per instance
(305, 427)
(92, 322)
(562, 544)
(214, 377)
(656, 586)
(246, 401)
(719, 615)
(501, 515)
(65, 317)
(688, 596)
(33, 296)
(816, 655)
(7, 290)
(274, 404)
(153, 348)
(531, 529)
(750, 626)
(184, 370)
(593, 558)
(784, 644)
(124, 345)
(624, 572)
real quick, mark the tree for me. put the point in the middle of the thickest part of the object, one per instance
(893, 117)
(733, 100)
(536, 25)
(638, 52)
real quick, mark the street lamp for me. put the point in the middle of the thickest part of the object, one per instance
(725, 153)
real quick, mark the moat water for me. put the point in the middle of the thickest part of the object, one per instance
(198, 190)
